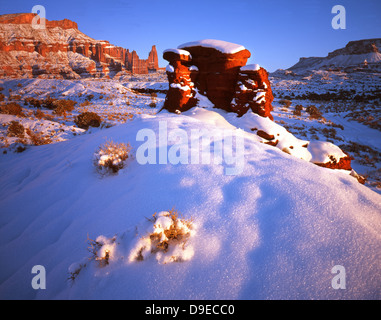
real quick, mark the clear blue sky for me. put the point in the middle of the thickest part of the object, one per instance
(277, 32)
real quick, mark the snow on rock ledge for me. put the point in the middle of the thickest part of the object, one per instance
(251, 67)
(326, 154)
(222, 46)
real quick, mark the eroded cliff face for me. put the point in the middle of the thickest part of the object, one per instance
(60, 50)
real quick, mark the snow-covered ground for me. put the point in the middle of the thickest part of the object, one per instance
(350, 107)
(274, 230)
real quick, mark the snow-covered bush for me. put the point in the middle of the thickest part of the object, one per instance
(110, 157)
(101, 250)
(167, 239)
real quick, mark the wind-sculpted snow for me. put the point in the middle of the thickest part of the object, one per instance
(274, 231)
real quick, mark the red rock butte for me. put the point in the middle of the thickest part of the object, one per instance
(63, 51)
(216, 69)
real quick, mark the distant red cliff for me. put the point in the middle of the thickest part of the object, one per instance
(61, 50)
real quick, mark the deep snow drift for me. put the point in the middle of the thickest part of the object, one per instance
(274, 231)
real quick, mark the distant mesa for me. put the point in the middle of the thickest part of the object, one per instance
(62, 51)
(27, 18)
(356, 54)
(217, 70)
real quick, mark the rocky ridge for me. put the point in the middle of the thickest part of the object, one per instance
(356, 54)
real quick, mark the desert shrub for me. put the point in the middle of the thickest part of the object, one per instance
(16, 129)
(19, 85)
(2, 97)
(100, 249)
(19, 147)
(298, 110)
(152, 104)
(174, 230)
(167, 239)
(286, 103)
(330, 133)
(63, 106)
(35, 103)
(12, 108)
(314, 112)
(90, 97)
(48, 103)
(37, 138)
(15, 97)
(85, 103)
(42, 115)
(88, 119)
(110, 157)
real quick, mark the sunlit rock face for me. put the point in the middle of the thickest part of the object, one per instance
(216, 69)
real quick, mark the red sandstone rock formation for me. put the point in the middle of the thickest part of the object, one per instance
(253, 91)
(343, 164)
(153, 62)
(222, 77)
(85, 57)
(27, 18)
(181, 77)
(218, 68)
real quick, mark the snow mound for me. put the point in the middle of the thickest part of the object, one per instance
(323, 152)
(274, 231)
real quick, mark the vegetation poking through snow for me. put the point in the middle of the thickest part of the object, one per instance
(110, 157)
(167, 239)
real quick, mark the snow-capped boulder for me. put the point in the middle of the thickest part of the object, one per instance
(218, 63)
(220, 70)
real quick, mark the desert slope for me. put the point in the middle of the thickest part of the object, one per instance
(273, 231)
